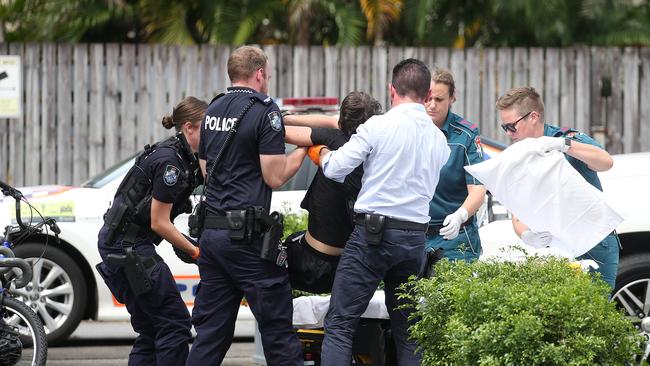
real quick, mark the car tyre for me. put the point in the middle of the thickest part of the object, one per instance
(632, 289)
(58, 295)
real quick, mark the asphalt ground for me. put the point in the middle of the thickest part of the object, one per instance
(109, 344)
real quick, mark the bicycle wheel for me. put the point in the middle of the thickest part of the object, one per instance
(32, 334)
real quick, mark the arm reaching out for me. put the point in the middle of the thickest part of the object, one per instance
(278, 169)
(298, 135)
(311, 120)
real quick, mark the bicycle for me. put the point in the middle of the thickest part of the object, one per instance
(22, 335)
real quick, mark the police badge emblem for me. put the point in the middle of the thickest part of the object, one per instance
(171, 175)
(276, 120)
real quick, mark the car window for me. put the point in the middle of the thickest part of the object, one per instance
(302, 179)
(109, 175)
(299, 182)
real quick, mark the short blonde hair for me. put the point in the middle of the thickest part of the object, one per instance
(524, 100)
(444, 76)
(244, 62)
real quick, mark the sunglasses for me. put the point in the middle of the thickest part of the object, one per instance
(512, 127)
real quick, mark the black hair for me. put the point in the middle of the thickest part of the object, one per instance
(412, 78)
(357, 108)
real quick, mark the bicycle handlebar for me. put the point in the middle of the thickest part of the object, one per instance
(23, 265)
(10, 261)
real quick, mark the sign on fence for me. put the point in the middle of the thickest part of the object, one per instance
(10, 87)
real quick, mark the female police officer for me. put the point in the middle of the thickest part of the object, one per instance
(458, 195)
(152, 194)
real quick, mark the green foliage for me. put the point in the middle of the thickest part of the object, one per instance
(540, 312)
(292, 221)
(472, 23)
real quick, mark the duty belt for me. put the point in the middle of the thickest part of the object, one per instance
(435, 229)
(247, 223)
(216, 222)
(360, 219)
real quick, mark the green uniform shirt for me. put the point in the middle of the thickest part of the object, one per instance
(465, 145)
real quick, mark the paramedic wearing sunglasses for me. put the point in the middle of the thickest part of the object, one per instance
(522, 114)
(453, 226)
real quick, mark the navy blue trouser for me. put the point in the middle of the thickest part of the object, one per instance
(361, 268)
(160, 317)
(606, 255)
(229, 271)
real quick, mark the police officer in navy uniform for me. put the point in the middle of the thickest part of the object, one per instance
(152, 194)
(453, 226)
(522, 113)
(241, 181)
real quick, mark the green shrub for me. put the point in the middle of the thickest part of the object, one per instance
(539, 312)
(293, 221)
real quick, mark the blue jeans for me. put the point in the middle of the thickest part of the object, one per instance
(361, 268)
(466, 246)
(229, 271)
(605, 254)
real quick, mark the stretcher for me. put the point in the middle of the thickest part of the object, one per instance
(372, 344)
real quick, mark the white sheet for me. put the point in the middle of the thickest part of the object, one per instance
(309, 311)
(547, 194)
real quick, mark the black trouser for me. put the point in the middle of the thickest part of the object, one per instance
(230, 270)
(160, 317)
(309, 269)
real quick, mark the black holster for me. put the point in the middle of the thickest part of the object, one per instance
(138, 276)
(196, 220)
(433, 256)
(247, 223)
(237, 223)
(374, 228)
(272, 249)
(114, 218)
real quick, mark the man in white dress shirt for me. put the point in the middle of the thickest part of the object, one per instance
(402, 153)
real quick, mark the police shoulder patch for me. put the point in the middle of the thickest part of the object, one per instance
(171, 175)
(275, 119)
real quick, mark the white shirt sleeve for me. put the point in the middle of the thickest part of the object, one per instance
(338, 164)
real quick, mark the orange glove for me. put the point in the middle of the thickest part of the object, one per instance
(314, 153)
(196, 253)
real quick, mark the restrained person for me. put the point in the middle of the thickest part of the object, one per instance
(313, 255)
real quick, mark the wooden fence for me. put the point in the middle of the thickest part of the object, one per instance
(87, 106)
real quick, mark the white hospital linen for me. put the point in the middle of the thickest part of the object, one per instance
(309, 311)
(547, 194)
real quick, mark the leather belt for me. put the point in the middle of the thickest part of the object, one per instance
(360, 219)
(435, 229)
(216, 222)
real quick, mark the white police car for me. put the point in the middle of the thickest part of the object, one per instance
(66, 287)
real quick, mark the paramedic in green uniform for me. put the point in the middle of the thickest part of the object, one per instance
(522, 114)
(453, 225)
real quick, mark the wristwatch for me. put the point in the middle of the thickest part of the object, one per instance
(567, 143)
